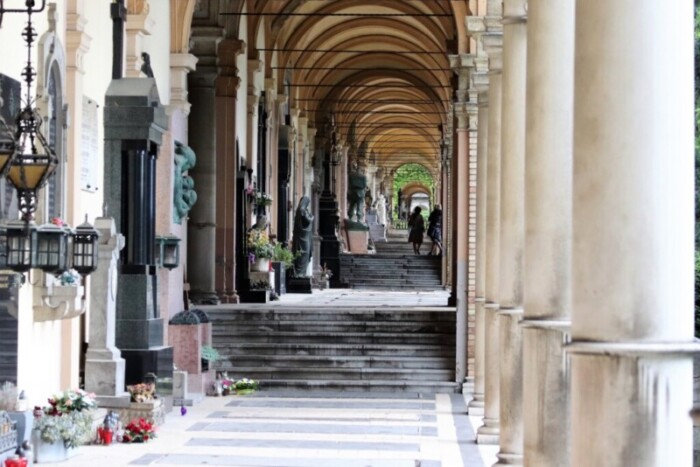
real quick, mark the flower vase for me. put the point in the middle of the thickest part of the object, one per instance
(50, 452)
(260, 265)
(105, 436)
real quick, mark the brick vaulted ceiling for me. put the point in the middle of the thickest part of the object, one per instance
(381, 63)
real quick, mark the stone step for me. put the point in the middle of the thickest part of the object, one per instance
(229, 349)
(352, 386)
(346, 374)
(316, 313)
(344, 361)
(335, 326)
(339, 337)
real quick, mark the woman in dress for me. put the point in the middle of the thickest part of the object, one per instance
(435, 230)
(417, 225)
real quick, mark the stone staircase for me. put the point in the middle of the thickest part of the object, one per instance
(381, 349)
(394, 266)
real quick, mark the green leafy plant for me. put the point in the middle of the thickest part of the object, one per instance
(244, 384)
(283, 255)
(210, 354)
(259, 245)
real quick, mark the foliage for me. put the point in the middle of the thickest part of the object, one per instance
(8, 396)
(283, 255)
(210, 353)
(410, 173)
(73, 428)
(67, 418)
(246, 383)
(139, 431)
(262, 199)
(142, 392)
(259, 245)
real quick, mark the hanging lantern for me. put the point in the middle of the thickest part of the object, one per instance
(21, 237)
(33, 163)
(168, 251)
(51, 251)
(85, 248)
(7, 148)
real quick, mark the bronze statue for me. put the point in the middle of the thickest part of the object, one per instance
(357, 185)
(302, 242)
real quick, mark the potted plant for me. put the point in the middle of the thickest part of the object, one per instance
(141, 392)
(260, 250)
(144, 404)
(246, 386)
(324, 276)
(263, 199)
(282, 259)
(63, 425)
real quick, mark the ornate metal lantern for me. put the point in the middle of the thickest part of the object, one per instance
(20, 238)
(51, 251)
(85, 248)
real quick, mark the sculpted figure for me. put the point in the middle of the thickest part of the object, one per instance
(184, 195)
(381, 209)
(302, 242)
(357, 184)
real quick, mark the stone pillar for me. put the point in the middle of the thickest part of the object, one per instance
(227, 164)
(512, 235)
(255, 67)
(201, 228)
(481, 84)
(104, 366)
(490, 28)
(632, 277)
(547, 266)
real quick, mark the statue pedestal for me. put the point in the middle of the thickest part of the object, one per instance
(358, 237)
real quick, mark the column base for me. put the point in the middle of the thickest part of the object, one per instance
(476, 405)
(505, 458)
(488, 433)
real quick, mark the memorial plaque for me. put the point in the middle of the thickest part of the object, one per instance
(89, 146)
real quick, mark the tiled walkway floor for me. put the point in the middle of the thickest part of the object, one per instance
(308, 430)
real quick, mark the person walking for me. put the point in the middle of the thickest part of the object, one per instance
(435, 230)
(417, 228)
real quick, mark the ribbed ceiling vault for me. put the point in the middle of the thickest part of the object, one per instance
(380, 63)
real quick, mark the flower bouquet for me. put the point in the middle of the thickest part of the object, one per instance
(141, 392)
(139, 431)
(259, 245)
(246, 386)
(67, 418)
(263, 199)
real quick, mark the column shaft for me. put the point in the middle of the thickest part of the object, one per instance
(476, 405)
(547, 290)
(488, 432)
(512, 238)
(632, 316)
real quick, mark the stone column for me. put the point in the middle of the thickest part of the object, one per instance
(547, 290)
(226, 84)
(104, 366)
(490, 27)
(201, 228)
(632, 259)
(481, 84)
(512, 235)
(462, 66)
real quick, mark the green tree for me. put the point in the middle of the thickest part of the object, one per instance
(412, 173)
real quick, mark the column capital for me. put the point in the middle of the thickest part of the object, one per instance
(488, 32)
(180, 66)
(462, 65)
(204, 43)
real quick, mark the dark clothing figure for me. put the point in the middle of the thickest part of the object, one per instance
(417, 228)
(357, 185)
(435, 230)
(302, 242)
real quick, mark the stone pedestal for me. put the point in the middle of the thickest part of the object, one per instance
(358, 236)
(104, 366)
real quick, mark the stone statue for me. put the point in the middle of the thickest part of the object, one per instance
(357, 185)
(381, 209)
(302, 242)
(184, 195)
